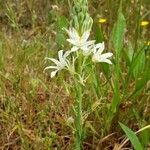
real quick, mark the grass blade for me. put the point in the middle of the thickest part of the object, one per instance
(132, 136)
(117, 39)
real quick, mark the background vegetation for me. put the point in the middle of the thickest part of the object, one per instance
(35, 110)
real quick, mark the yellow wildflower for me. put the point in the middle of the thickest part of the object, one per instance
(148, 43)
(144, 23)
(102, 20)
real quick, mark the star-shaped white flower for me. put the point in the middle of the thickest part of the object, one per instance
(61, 63)
(79, 42)
(98, 56)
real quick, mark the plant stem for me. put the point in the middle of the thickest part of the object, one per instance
(78, 116)
(78, 105)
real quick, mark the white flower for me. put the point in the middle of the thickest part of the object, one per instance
(87, 50)
(79, 42)
(61, 63)
(98, 56)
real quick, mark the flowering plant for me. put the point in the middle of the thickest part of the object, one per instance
(80, 43)
(82, 53)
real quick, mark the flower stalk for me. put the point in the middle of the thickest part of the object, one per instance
(81, 51)
(78, 115)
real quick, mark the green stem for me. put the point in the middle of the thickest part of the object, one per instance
(78, 105)
(78, 116)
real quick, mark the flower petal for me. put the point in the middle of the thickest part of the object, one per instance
(73, 42)
(69, 32)
(106, 61)
(100, 47)
(89, 43)
(67, 53)
(72, 33)
(74, 48)
(53, 73)
(75, 34)
(60, 55)
(51, 67)
(86, 50)
(95, 58)
(85, 36)
(106, 55)
(62, 58)
(55, 61)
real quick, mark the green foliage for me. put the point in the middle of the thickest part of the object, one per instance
(117, 39)
(118, 33)
(132, 136)
(11, 15)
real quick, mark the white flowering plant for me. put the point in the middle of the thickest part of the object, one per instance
(80, 44)
(80, 62)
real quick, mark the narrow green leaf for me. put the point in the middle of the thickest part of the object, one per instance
(145, 76)
(135, 59)
(117, 39)
(118, 32)
(145, 137)
(132, 137)
(98, 34)
(140, 64)
(130, 52)
(106, 70)
(132, 67)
